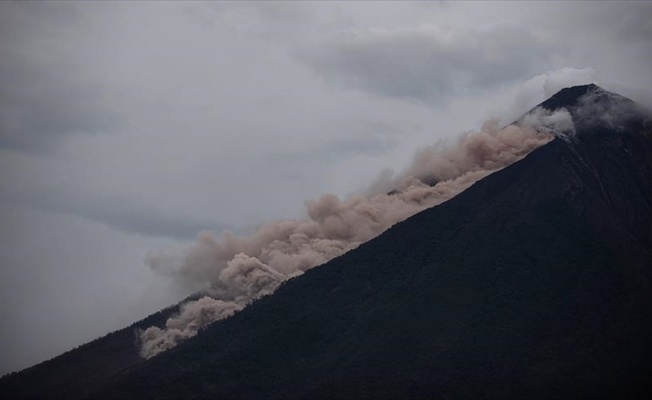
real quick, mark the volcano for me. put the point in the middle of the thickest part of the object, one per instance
(536, 282)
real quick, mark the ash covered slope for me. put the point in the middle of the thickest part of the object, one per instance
(536, 281)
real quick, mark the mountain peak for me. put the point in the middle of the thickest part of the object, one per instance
(587, 111)
(570, 96)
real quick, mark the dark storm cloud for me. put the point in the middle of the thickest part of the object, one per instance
(42, 93)
(425, 63)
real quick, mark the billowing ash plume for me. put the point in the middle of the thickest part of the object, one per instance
(238, 270)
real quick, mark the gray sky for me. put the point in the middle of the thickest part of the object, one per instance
(127, 127)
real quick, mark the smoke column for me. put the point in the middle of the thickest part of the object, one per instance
(238, 270)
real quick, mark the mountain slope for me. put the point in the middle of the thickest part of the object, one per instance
(531, 283)
(535, 282)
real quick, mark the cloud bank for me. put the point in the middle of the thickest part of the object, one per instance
(427, 63)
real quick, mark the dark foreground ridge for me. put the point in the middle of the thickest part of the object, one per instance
(536, 282)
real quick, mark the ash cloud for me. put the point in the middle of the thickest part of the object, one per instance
(193, 316)
(235, 270)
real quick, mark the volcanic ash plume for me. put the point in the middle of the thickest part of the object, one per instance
(238, 270)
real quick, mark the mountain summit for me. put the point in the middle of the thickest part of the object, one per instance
(595, 109)
(536, 282)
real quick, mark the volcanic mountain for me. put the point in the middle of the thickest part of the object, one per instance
(536, 282)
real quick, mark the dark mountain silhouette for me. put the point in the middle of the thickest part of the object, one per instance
(535, 282)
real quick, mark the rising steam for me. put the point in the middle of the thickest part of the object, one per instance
(238, 270)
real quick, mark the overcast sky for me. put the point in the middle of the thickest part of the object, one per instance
(127, 127)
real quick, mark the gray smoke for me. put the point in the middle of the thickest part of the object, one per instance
(236, 270)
